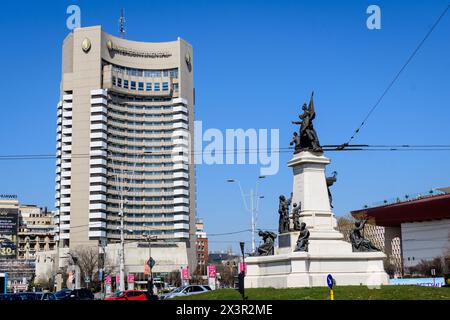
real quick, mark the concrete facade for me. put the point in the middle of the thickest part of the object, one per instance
(125, 117)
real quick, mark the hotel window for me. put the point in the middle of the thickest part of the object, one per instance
(119, 82)
(156, 88)
(149, 86)
(175, 87)
(174, 73)
(141, 86)
(165, 86)
(125, 84)
(114, 81)
(133, 85)
(166, 73)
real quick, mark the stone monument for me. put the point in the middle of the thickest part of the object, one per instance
(326, 251)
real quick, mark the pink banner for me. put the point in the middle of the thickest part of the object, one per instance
(108, 280)
(130, 278)
(240, 268)
(117, 279)
(211, 271)
(185, 273)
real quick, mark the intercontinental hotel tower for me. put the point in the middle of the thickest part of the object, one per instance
(124, 124)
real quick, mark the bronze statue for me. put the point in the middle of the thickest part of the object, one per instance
(359, 243)
(330, 181)
(266, 249)
(302, 241)
(296, 142)
(283, 211)
(308, 136)
(296, 215)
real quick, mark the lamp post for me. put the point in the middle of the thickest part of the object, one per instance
(149, 238)
(254, 205)
(242, 273)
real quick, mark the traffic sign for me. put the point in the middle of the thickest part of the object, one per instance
(151, 262)
(330, 281)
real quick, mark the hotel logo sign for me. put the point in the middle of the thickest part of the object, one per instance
(113, 48)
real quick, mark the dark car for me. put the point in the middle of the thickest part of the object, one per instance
(77, 294)
(9, 297)
(62, 294)
(27, 296)
(45, 296)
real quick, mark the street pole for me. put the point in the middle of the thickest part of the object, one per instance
(252, 209)
(122, 247)
(254, 205)
(150, 278)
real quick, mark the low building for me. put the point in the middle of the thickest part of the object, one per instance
(420, 223)
(201, 245)
(27, 234)
(36, 231)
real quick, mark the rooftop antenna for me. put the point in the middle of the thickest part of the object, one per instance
(122, 23)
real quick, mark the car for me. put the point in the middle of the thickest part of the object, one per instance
(76, 294)
(27, 296)
(62, 294)
(45, 296)
(128, 295)
(186, 291)
(9, 297)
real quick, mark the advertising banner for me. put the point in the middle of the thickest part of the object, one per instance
(242, 267)
(211, 271)
(130, 281)
(185, 274)
(9, 219)
(426, 282)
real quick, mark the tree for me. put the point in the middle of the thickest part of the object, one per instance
(174, 278)
(87, 258)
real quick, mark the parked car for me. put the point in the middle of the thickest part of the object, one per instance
(27, 296)
(76, 294)
(186, 291)
(62, 294)
(128, 295)
(45, 296)
(9, 297)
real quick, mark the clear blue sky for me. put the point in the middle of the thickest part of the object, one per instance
(255, 63)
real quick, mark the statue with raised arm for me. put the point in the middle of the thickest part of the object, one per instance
(330, 181)
(295, 216)
(359, 243)
(308, 136)
(302, 241)
(267, 248)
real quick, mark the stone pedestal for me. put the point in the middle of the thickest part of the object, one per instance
(327, 254)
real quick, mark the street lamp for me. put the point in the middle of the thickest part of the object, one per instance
(241, 276)
(254, 205)
(149, 238)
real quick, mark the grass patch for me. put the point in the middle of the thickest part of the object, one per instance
(399, 292)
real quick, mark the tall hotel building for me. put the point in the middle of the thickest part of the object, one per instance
(125, 117)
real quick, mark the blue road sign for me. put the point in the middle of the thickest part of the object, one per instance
(330, 281)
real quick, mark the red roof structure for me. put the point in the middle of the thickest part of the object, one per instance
(422, 209)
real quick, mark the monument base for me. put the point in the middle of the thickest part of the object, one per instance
(327, 254)
(304, 269)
